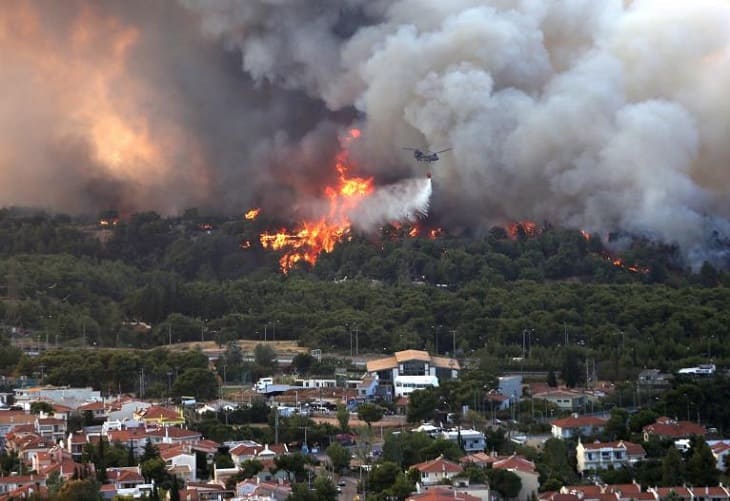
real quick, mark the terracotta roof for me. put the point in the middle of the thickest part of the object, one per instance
(438, 465)
(381, 364)
(126, 435)
(630, 447)
(442, 494)
(91, 406)
(125, 476)
(665, 427)
(61, 409)
(578, 422)
(206, 446)
(719, 447)
(681, 491)
(16, 417)
(515, 462)
(478, 458)
(158, 413)
(406, 355)
(174, 432)
(171, 452)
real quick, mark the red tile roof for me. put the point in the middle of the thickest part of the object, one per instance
(665, 427)
(442, 494)
(438, 465)
(630, 447)
(515, 462)
(578, 422)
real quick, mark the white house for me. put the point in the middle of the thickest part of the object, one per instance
(604, 455)
(576, 425)
(409, 370)
(471, 440)
(437, 470)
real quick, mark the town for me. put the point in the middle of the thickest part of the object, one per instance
(410, 425)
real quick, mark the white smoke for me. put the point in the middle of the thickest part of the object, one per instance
(603, 115)
(407, 200)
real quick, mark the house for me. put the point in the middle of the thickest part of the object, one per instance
(54, 394)
(13, 482)
(510, 387)
(162, 416)
(173, 435)
(523, 468)
(720, 449)
(576, 425)
(442, 494)
(437, 470)
(653, 380)
(129, 477)
(256, 490)
(481, 459)
(179, 461)
(10, 419)
(96, 408)
(667, 428)
(75, 443)
(604, 455)
(410, 370)
(470, 440)
(51, 427)
(564, 399)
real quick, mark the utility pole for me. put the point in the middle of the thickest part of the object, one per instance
(565, 328)
(276, 424)
(453, 343)
(169, 334)
(357, 341)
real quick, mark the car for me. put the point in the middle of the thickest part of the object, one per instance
(341, 483)
(339, 490)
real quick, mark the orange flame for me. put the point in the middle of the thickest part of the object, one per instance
(413, 232)
(585, 234)
(529, 228)
(314, 237)
(252, 214)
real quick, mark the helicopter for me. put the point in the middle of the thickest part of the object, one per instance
(426, 155)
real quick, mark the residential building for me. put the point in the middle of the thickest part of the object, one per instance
(9, 420)
(510, 387)
(14, 482)
(566, 400)
(409, 370)
(720, 449)
(179, 461)
(470, 440)
(51, 427)
(576, 425)
(604, 455)
(54, 394)
(442, 494)
(653, 380)
(159, 415)
(668, 428)
(523, 468)
(256, 490)
(437, 470)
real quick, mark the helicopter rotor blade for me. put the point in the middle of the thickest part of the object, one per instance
(443, 151)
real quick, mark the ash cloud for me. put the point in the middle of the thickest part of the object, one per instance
(606, 116)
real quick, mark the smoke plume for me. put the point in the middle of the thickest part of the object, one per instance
(602, 115)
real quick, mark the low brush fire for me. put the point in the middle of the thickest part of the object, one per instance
(252, 214)
(314, 237)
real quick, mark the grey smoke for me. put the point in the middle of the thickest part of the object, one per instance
(602, 115)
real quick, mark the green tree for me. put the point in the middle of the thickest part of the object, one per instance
(382, 476)
(343, 418)
(422, 405)
(198, 382)
(324, 489)
(617, 426)
(571, 371)
(552, 380)
(81, 490)
(154, 469)
(672, 468)
(701, 466)
(41, 406)
(339, 456)
(265, 357)
(370, 413)
(505, 482)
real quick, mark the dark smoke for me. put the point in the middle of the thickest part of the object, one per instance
(602, 115)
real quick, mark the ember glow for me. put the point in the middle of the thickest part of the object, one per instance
(252, 214)
(529, 228)
(312, 238)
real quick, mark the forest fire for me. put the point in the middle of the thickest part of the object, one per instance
(314, 237)
(252, 214)
(525, 228)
